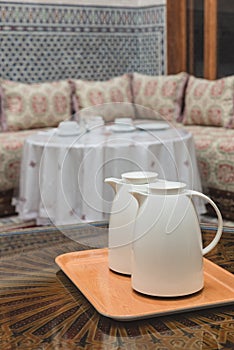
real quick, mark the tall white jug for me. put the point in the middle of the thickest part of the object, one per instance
(167, 245)
(122, 218)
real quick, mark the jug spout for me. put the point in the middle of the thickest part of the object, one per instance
(140, 197)
(113, 182)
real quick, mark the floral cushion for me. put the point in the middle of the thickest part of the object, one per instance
(161, 94)
(11, 145)
(110, 99)
(29, 106)
(215, 155)
(231, 123)
(209, 102)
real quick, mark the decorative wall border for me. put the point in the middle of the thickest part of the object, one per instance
(114, 3)
(36, 17)
(54, 41)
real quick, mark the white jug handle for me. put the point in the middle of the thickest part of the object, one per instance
(220, 221)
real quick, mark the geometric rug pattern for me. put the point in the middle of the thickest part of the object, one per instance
(14, 222)
(42, 309)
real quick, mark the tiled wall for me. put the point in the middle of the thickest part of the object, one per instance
(53, 41)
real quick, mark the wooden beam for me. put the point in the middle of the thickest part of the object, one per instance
(190, 35)
(176, 36)
(210, 39)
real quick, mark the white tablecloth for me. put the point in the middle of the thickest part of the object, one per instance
(62, 178)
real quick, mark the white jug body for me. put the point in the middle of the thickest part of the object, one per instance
(121, 226)
(167, 258)
(122, 219)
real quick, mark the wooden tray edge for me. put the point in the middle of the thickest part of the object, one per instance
(101, 310)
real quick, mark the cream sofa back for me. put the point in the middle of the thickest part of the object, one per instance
(132, 95)
(181, 99)
(30, 106)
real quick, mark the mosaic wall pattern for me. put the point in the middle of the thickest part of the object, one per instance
(50, 42)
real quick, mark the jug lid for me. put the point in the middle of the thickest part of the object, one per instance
(165, 186)
(139, 177)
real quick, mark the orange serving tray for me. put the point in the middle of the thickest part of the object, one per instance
(112, 296)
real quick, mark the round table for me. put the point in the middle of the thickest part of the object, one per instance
(62, 177)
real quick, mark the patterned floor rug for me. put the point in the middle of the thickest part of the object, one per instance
(10, 223)
(206, 219)
(15, 223)
(42, 309)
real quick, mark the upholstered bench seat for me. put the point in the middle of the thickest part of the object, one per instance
(11, 147)
(11, 144)
(203, 107)
(215, 156)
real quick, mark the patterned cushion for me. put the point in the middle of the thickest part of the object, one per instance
(215, 155)
(29, 106)
(11, 145)
(209, 102)
(162, 94)
(110, 99)
(230, 124)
